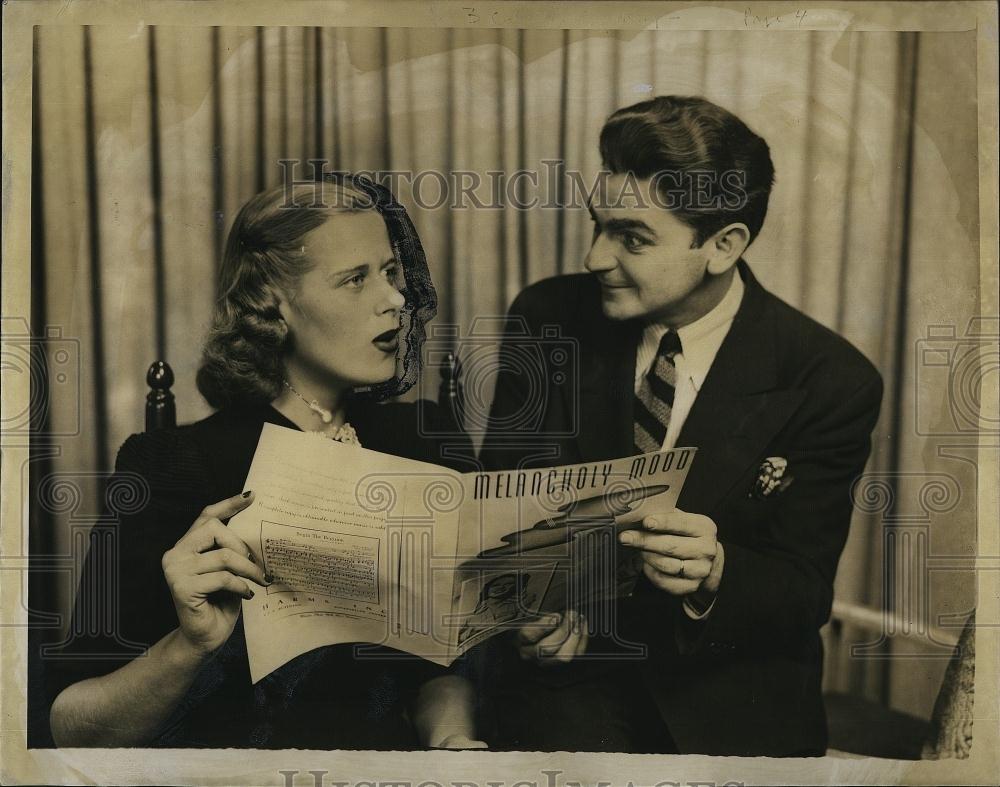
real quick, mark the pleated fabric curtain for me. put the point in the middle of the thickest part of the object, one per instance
(148, 140)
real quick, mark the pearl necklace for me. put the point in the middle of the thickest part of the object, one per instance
(344, 434)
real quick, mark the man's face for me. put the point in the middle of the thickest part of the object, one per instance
(642, 256)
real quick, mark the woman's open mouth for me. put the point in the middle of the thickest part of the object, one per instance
(387, 342)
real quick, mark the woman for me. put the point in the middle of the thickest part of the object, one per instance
(324, 296)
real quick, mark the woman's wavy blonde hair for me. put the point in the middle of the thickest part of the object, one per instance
(242, 360)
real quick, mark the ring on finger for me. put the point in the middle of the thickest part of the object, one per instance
(680, 570)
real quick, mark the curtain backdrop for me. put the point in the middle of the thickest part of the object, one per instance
(148, 140)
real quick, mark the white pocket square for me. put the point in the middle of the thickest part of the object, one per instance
(772, 476)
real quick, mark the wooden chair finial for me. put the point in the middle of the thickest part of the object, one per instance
(161, 412)
(450, 391)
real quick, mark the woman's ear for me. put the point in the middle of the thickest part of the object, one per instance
(282, 303)
(726, 247)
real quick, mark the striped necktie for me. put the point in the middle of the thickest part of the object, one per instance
(655, 399)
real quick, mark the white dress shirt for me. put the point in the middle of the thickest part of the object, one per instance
(700, 342)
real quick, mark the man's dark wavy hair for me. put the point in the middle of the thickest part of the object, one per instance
(684, 136)
(243, 357)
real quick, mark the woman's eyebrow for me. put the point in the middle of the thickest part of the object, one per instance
(363, 268)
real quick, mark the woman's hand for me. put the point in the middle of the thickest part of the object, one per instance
(206, 572)
(443, 714)
(460, 741)
(553, 639)
(203, 571)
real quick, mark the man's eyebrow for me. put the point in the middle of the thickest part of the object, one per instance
(623, 225)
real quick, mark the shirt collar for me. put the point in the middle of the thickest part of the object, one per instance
(701, 339)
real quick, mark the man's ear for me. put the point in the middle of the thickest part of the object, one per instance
(726, 246)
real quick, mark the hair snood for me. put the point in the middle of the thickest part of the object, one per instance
(421, 297)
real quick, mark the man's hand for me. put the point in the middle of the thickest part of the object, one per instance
(680, 553)
(553, 639)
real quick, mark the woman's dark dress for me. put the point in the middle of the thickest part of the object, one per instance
(327, 698)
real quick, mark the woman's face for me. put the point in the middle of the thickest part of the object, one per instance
(344, 314)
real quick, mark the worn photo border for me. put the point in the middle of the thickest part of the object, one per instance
(19, 765)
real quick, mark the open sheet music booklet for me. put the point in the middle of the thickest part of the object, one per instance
(366, 547)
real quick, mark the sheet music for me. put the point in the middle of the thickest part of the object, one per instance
(542, 540)
(333, 524)
(366, 547)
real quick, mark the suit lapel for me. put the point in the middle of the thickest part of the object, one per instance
(730, 433)
(607, 381)
(739, 408)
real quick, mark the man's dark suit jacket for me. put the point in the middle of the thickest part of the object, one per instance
(746, 681)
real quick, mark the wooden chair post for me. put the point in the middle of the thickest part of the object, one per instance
(450, 391)
(161, 413)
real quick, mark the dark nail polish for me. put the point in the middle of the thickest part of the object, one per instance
(268, 578)
(247, 493)
(251, 558)
(251, 595)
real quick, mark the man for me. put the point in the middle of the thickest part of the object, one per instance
(679, 345)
